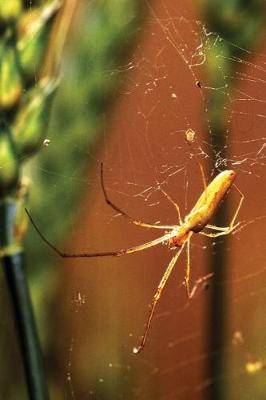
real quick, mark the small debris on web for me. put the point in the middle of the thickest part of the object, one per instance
(253, 367)
(46, 142)
(135, 350)
(198, 83)
(237, 339)
(190, 135)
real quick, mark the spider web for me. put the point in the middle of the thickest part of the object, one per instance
(165, 96)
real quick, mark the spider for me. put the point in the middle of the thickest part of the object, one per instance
(175, 236)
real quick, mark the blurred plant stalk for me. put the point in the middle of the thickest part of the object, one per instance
(236, 28)
(26, 91)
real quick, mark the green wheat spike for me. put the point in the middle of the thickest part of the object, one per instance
(33, 34)
(10, 76)
(9, 169)
(25, 100)
(10, 10)
(31, 122)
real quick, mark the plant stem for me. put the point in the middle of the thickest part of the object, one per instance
(26, 327)
(218, 316)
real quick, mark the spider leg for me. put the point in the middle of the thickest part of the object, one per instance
(217, 234)
(198, 283)
(173, 203)
(116, 253)
(191, 292)
(199, 163)
(110, 203)
(187, 276)
(217, 228)
(238, 207)
(156, 298)
(203, 175)
(223, 231)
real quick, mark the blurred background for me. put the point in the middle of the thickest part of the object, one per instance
(135, 77)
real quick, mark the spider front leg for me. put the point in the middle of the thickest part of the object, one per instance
(110, 203)
(166, 237)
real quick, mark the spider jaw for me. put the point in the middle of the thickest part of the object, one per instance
(182, 233)
(177, 241)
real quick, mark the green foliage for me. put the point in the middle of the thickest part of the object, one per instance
(238, 21)
(10, 10)
(9, 165)
(11, 81)
(23, 115)
(23, 121)
(31, 121)
(33, 33)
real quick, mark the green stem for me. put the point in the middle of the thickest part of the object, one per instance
(218, 317)
(14, 268)
(219, 305)
(26, 327)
